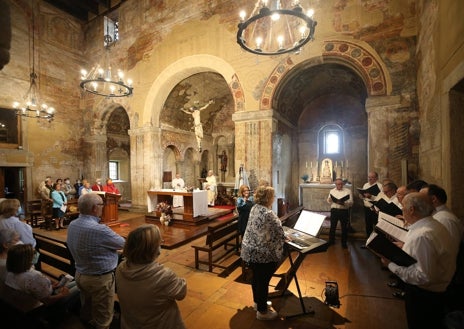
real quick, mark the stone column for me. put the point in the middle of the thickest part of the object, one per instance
(253, 143)
(146, 164)
(96, 166)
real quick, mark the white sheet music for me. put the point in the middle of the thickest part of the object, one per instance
(392, 220)
(397, 232)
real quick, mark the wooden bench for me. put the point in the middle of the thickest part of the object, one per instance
(19, 308)
(55, 255)
(219, 235)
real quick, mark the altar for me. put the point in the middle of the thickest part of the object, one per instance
(195, 203)
(313, 196)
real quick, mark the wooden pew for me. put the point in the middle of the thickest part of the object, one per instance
(19, 309)
(55, 255)
(219, 235)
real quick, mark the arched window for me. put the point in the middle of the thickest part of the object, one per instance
(331, 142)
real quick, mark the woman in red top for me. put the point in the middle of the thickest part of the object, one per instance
(110, 187)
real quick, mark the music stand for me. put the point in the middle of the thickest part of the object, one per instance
(290, 275)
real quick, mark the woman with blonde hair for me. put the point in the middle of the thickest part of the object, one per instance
(9, 220)
(146, 289)
(262, 248)
(244, 204)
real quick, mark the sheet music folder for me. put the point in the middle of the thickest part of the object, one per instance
(381, 245)
(341, 200)
(373, 190)
(387, 207)
(303, 236)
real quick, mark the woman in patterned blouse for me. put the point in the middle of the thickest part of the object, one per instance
(262, 248)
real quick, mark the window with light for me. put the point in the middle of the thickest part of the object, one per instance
(113, 168)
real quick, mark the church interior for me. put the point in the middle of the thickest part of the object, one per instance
(379, 87)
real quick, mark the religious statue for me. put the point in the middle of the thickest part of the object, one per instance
(326, 172)
(223, 158)
(194, 111)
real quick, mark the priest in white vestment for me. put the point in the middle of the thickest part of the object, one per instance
(178, 185)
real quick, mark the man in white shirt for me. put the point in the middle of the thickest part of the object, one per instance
(341, 200)
(178, 185)
(443, 214)
(429, 243)
(370, 216)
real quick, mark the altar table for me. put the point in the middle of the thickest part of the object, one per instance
(195, 203)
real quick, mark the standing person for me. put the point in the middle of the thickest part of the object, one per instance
(94, 248)
(262, 249)
(341, 200)
(68, 189)
(429, 243)
(9, 220)
(370, 216)
(211, 186)
(97, 186)
(110, 187)
(45, 189)
(59, 205)
(443, 214)
(178, 184)
(147, 290)
(244, 204)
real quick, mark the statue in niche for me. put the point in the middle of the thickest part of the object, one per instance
(223, 158)
(326, 171)
(194, 111)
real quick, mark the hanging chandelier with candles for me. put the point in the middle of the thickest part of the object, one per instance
(31, 106)
(273, 30)
(103, 80)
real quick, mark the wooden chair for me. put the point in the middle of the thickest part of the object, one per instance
(47, 214)
(34, 212)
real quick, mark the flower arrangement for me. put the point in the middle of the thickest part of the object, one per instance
(164, 208)
(305, 178)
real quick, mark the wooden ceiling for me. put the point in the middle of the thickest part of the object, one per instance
(86, 10)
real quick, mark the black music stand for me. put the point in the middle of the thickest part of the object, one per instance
(287, 278)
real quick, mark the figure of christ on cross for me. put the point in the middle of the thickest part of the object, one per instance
(195, 113)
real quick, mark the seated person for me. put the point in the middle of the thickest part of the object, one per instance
(22, 276)
(8, 238)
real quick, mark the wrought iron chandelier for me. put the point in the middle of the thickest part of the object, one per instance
(101, 80)
(31, 106)
(273, 30)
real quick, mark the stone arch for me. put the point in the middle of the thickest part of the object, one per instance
(359, 56)
(182, 69)
(364, 60)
